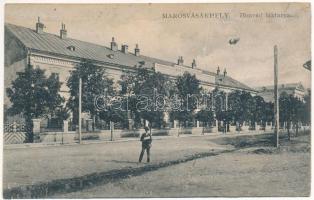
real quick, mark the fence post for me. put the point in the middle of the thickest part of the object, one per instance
(65, 126)
(36, 129)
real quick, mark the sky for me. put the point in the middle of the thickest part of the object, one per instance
(249, 61)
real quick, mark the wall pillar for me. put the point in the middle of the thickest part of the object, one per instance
(226, 105)
(89, 123)
(175, 123)
(256, 126)
(36, 129)
(215, 128)
(111, 130)
(266, 126)
(166, 119)
(212, 100)
(65, 126)
(130, 121)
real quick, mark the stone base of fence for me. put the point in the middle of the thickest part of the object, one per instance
(72, 136)
(197, 130)
(57, 137)
(232, 129)
(245, 128)
(174, 132)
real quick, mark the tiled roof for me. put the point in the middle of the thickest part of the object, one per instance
(281, 86)
(51, 43)
(228, 81)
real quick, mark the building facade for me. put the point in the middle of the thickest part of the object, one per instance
(56, 53)
(295, 89)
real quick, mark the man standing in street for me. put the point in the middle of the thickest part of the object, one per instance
(146, 140)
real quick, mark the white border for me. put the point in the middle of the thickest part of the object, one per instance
(2, 4)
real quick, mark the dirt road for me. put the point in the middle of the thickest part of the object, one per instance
(253, 171)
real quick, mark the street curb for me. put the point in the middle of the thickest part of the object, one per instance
(45, 190)
(47, 145)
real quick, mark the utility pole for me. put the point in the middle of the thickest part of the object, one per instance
(111, 130)
(80, 110)
(276, 101)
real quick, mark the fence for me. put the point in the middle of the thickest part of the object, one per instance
(14, 133)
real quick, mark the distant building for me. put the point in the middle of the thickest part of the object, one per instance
(295, 89)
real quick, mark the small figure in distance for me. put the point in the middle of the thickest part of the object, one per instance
(146, 139)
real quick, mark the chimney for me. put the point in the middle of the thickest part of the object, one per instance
(193, 64)
(218, 70)
(39, 27)
(63, 32)
(114, 46)
(180, 60)
(225, 72)
(136, 50)
(124, 48)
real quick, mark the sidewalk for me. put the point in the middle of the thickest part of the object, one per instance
(118, 140)
(27, 166)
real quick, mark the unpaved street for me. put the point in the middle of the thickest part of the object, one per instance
(25, 166)
(252, 171)
(230, 165)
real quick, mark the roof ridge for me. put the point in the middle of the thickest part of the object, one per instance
(293, 83)
(53, 34)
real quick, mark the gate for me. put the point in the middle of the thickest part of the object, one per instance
(14, 133)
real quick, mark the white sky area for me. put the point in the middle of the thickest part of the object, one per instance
(249, 61)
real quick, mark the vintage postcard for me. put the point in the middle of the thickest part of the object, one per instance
(157, 100)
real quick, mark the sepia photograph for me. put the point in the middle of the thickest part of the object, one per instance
(156, 100)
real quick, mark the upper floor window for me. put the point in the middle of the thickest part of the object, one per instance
(71, 48)
(55, 75)
(111, 56)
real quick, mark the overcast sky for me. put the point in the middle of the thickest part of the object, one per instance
(249, 61)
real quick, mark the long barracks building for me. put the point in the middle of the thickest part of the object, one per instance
(56, 53)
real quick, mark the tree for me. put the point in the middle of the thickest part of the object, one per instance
(268, 112)
(235, 107)
(188, 90)
(61, 113)
(219, 101)
(94, 83)
(116, 116)
(243, 107)
(306, 109)
(248, 105)
(34, 96)
(205, 116)
(292, 110)
(258, 111)
(142, 88)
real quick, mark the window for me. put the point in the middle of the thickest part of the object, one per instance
(55, 75)
(71, 48)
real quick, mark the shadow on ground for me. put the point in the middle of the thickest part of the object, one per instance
(265, 143)
(262, 140)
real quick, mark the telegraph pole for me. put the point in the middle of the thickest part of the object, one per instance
(80, 110)
(276, 102)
